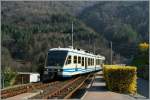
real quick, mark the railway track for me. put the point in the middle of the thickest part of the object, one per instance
(63, 90)
(58, 89)
(10, 92)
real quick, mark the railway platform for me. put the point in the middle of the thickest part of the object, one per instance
(98, 91)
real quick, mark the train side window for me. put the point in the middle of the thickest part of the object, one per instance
(75, 59)
(79, 60)
(93, 62)
(68, 60)
(88, 61)
(102, 61)
(85, 61)
(82, 61)
(96, 61)
(99, 61)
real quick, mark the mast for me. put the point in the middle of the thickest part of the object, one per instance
(72, 34)
(111, 52)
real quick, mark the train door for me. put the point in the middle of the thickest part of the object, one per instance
(79, 62)
(95, 63)
(75, 62)
(85, 62)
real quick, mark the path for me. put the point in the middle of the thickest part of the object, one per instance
(98, 91)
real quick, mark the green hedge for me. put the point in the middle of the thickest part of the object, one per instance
(120, 78)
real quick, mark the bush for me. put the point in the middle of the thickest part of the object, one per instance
(9, 76)
(120, 78)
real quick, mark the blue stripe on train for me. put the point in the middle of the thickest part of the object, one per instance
(80, 69)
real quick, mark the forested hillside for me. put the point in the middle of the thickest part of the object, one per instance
(29, 29)
(120, 22)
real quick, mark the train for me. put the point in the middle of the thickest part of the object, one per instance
(68, 62)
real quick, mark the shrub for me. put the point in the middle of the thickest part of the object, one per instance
(143, 46)
(120, 78)
(9, 76)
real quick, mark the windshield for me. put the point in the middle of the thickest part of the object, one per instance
(56, 58)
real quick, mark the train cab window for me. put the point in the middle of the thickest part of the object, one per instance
(79, 60)
(75, 59)
(68, 60)
(82, 61)
(56, 58)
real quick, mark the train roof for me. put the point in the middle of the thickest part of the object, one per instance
(81, 51)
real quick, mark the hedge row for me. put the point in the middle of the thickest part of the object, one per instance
(120, 78)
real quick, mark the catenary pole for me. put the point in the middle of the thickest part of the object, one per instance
(72, 34)
(111, 52)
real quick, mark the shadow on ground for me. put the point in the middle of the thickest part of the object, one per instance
(98, 89)
(100, 80)
(143, 87)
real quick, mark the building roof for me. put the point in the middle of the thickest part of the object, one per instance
(27, 73)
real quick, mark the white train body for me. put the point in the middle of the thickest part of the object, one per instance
(67, 62)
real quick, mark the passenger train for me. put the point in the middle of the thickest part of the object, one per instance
(68, 62)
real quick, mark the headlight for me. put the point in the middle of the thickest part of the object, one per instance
(45, 72)
(60, 70)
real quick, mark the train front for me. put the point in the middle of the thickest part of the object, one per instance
(54, 64)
